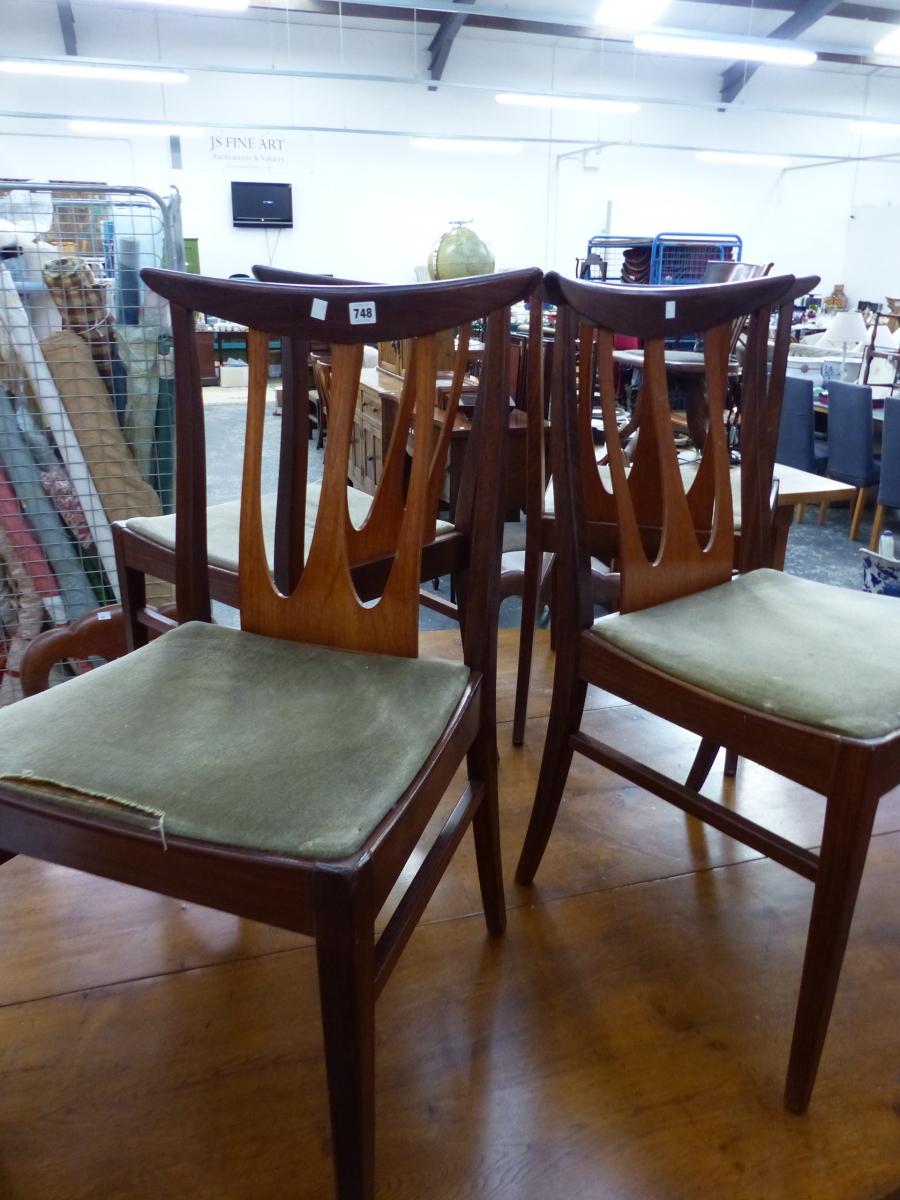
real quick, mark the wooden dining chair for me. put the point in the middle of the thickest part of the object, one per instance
(798, 676)
(540, 520)
(285, 771)
(145, 546)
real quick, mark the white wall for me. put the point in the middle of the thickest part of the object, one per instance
(368, 204)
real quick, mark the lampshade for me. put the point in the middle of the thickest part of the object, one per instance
(844, 329)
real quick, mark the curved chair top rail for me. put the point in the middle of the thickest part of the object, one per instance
(657, 312)
(276, 275)
(349, 314)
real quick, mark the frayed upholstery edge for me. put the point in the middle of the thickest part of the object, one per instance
(144, 809)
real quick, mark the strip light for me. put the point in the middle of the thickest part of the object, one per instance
(71, 71)
(225, 5)
(875, 127)
(581, 103)
(890, 44)
(748, 160)
(126, 130)
(478, 147)
(657, 43)
(630, 14)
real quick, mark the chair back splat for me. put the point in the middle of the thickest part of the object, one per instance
(380, 559)
(670, 541)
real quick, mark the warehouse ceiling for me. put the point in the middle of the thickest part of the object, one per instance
(842, 33)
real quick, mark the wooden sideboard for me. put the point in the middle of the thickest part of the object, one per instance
(376, 412)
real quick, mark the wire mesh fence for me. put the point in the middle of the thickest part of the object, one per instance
(86, 397)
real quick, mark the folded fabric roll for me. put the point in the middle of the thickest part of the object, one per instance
(29, 617)
(28, 352)
(82, 305)
(139, 350)
(22, 472)
(122, 491)
(29, 552)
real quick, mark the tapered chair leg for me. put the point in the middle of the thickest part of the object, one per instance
(849, 817)
(565, 719)
(858, 512)
(482, 760)
(731, 763)
(702, 764)
(876, 527)
(530, 595)
(345, 953)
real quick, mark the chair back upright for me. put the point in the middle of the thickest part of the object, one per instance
(889, 486)
(796, 432)
(850, 434)
(322, 602)
(669, 542)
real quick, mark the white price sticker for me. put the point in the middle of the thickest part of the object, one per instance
(670, 309)
(319, 309)
(363, 314)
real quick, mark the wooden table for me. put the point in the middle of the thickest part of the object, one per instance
(376, 414)
(689, 368)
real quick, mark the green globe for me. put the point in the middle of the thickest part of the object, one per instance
(458, 253)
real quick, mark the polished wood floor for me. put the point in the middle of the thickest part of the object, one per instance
(626, 1040)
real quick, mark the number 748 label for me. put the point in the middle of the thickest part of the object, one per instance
(362, 314)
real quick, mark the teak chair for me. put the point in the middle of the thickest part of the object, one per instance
(797, 676)
(540, 520)
(145, 546)
(285, 771)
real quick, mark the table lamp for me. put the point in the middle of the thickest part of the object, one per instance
(846, 329)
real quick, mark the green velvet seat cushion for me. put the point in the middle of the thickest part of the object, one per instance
(227, 736)
(223, 525)
(826, 656)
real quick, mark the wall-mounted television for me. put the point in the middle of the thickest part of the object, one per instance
(262, 205)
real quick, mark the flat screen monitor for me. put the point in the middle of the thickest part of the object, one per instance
(262, 204)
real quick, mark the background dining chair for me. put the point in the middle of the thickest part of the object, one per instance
(285, 772)
(850, 445)
(889, 483)
(798, 444)
(798, 676)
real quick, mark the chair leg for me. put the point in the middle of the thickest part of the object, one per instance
(849, 816)
(482, 759)
(876, 526)
(530, 590)
(858, 512)
(345, 939)
(799, 510)
(566, 709)
(823, 511)
(702, 764)
(731, 763)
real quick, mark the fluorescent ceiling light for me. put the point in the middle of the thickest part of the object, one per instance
(876, 127)
(126, 130)
(71, 71)
(226, 5)
(736, 51)
(630, 14)
(749, 160)
(479, 147)
(890, 44)
(573, 102)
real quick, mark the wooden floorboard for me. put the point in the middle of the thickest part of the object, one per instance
(626, 1040)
